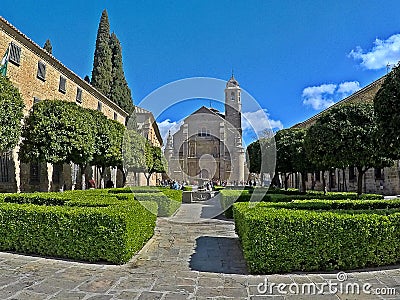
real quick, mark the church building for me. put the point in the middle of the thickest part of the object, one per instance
(208, 145)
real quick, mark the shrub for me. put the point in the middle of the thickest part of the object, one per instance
(229, 197)
(112, 233)
(218, 188)
(338, 204)
(284, 240)
(167, 201)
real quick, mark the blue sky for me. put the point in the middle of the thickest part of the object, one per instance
(294, 57)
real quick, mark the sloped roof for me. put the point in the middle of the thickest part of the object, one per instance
(366, 94)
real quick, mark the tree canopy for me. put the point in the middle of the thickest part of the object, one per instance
(120, 92)
(387, 110)
(108, 74)
(291, 154)
(11, 113)
(102, 64)
(108, 135)
(346, 135)
(57, 131)
(133, 151)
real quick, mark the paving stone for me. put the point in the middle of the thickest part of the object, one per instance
(65, 295)
(184, 260)
(150, 296)
(98, 285)
(126, 295)
(29, 295)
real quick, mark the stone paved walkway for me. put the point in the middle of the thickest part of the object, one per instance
(189, 257)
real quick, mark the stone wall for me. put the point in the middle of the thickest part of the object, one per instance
(25, 77)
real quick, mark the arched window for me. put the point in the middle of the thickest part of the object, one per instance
(232, 96)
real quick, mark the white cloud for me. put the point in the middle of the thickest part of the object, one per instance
(324, 95)
(348, 88)
(319, 97)
(168, 125)
(382, 53)
(259, 121)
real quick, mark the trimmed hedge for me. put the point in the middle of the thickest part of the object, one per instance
(276, 239)
(337, 204)
(167, 203)
(112, 233)
(168, 200)
(228, 197)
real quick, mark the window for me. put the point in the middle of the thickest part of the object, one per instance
(100, 106)
(5, 166)
(115, 116)
(34, 173)
(62, 87)
(15, 54)
(35, 100)
(232, 96)
(378, 174)
(41, 72)
(352, 174)
(79, 95)
(204, 132)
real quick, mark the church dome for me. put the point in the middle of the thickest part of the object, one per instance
(232, 82)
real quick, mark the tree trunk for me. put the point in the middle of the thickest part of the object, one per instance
(17, 168)
(124, 172)
(148, 179)
(49, 176)
(286, 180)
(303, 181)
(83, 167)
(323, 182)
(102, 172)
(360, 180)
(344, 180)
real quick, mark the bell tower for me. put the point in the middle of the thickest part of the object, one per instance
(233, 118)
(233, 105)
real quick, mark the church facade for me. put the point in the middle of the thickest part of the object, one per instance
(208, 145)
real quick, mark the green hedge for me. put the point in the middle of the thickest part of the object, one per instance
(337, 204)
(228, 197)
(112, 233)
(167, 202)
(287, 240)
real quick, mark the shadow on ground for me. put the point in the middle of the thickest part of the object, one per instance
(218, 255)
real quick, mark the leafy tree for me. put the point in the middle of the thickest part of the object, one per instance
(48, 47)
(120, 92)
(58, 131)
(254, 157)
(108, 137)
(387, 110)
(346, 135)
(291, 155)
(133, 151)
(102, 65)
(155, 162)
(11, 113)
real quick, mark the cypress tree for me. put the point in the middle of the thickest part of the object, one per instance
(102, 66)
(48, 47)
(120, 92)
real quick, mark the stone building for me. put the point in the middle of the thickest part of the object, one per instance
(208, 145)
(382, 181)
(148, 128)
(38, 75)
